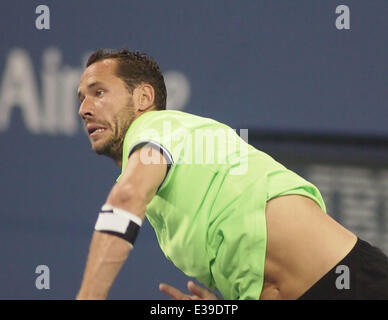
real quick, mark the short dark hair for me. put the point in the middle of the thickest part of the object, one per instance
(134, 68)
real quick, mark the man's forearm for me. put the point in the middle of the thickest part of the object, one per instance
(106, 256)
(136, 188)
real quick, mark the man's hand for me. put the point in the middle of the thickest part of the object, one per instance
(198, 293)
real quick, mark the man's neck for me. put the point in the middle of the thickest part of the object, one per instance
(118, 160)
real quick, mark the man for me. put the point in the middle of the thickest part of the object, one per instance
(224, 212)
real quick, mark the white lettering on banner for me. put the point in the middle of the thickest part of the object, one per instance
(69, 81)
(356, 197)
(51, 64)
(55, 110)
(178, 89)
(18, 88)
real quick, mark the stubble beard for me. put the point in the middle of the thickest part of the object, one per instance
(113, 147)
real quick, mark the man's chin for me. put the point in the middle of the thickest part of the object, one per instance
(100, 148)
(105, 149)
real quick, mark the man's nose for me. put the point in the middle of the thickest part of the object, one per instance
(86, 108)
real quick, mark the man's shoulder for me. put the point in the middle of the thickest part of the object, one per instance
(173, 115)
(170, 127)
(162, 119)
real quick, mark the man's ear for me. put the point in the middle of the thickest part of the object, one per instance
(143, 97)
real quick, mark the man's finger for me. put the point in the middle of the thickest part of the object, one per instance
(199, 291)
(173, 292)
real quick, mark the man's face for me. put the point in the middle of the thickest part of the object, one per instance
(106, 107)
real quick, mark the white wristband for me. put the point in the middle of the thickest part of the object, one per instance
(119, 222)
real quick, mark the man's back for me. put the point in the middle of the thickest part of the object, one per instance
(303, 244)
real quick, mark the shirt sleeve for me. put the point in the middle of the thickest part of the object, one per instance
(159, 133)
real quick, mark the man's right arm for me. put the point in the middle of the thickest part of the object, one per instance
(107, 254)
(136, 188)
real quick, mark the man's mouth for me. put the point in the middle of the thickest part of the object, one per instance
(94, 130)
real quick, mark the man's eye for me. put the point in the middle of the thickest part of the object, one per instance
(99, 93)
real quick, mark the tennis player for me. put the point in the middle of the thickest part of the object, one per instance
(224, 212)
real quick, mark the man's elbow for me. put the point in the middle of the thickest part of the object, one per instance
(129, 198)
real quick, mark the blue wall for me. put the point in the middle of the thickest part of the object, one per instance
(276, 66)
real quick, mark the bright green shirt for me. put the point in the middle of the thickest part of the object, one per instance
(209, 213)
